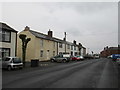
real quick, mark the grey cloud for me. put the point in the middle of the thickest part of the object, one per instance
(85, 22)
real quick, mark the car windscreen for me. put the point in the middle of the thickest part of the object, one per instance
(16, 60)
(5, 59)
(58, 56)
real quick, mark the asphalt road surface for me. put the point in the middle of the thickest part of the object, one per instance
(94, 73)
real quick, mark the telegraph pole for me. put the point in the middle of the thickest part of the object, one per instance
(65, 41)
(88, 51)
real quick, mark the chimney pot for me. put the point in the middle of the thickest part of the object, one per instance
(80, 44)
(50, 33)
(74, 42)
(27, 28)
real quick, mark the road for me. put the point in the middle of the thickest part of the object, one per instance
(94, 73)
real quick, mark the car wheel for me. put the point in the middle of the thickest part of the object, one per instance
(52, 60)
(20, 67)
(64, 61)
(9, 68)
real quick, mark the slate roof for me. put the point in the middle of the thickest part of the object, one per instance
(114, 48)
(44, 36)
(6, 27)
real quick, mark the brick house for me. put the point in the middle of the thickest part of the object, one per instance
(109, 51)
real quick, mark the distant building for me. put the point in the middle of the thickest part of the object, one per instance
(8, 40)
(109, 51)
(43, 46)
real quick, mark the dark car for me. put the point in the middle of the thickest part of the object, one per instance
(61, 58)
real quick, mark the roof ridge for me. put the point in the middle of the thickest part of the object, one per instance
(6, 26)
(38, 32)
(45, 34)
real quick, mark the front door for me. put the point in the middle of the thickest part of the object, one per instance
(48, 53)
(71, 53)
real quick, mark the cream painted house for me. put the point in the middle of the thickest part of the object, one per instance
(41, 46)
(8, 41)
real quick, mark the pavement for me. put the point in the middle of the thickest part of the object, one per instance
(94, 73)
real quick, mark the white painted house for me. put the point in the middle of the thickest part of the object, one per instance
(8, 40)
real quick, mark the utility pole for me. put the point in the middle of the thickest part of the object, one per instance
(88, 51)
(65, 41)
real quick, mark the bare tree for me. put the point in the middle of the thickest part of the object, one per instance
(24, 46)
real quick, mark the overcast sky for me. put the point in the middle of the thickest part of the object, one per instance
(94, 24)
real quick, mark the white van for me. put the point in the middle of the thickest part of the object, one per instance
(12, 63)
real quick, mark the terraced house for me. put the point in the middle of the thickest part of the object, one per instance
(40, 47)
(43, 46)
(8, 41)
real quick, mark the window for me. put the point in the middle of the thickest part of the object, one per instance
(6, 59)
(16, 60)
(53, 53)
(68, 46)
(41, 53)
(53, 44)
(75, 48)
(60, 45)
(4, 52)
(41, 43)
(5, 36)
(71, 47)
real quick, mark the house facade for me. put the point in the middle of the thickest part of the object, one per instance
(83, 51)
(63, 47)
(8, 41)
(40, 47)
(43, 46)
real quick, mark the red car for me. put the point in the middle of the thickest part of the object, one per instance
(77, 58)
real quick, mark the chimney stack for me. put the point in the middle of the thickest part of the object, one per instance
(80, 44)
(50, 33)
(74, 42)
(27, 28)
(64, 39)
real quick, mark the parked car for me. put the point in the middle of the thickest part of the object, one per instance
(96, 56)
(110, 56)
(77, 58)
(61, 58)
(11, 63)
(115, 56)
(118, 61)
(88, 57)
